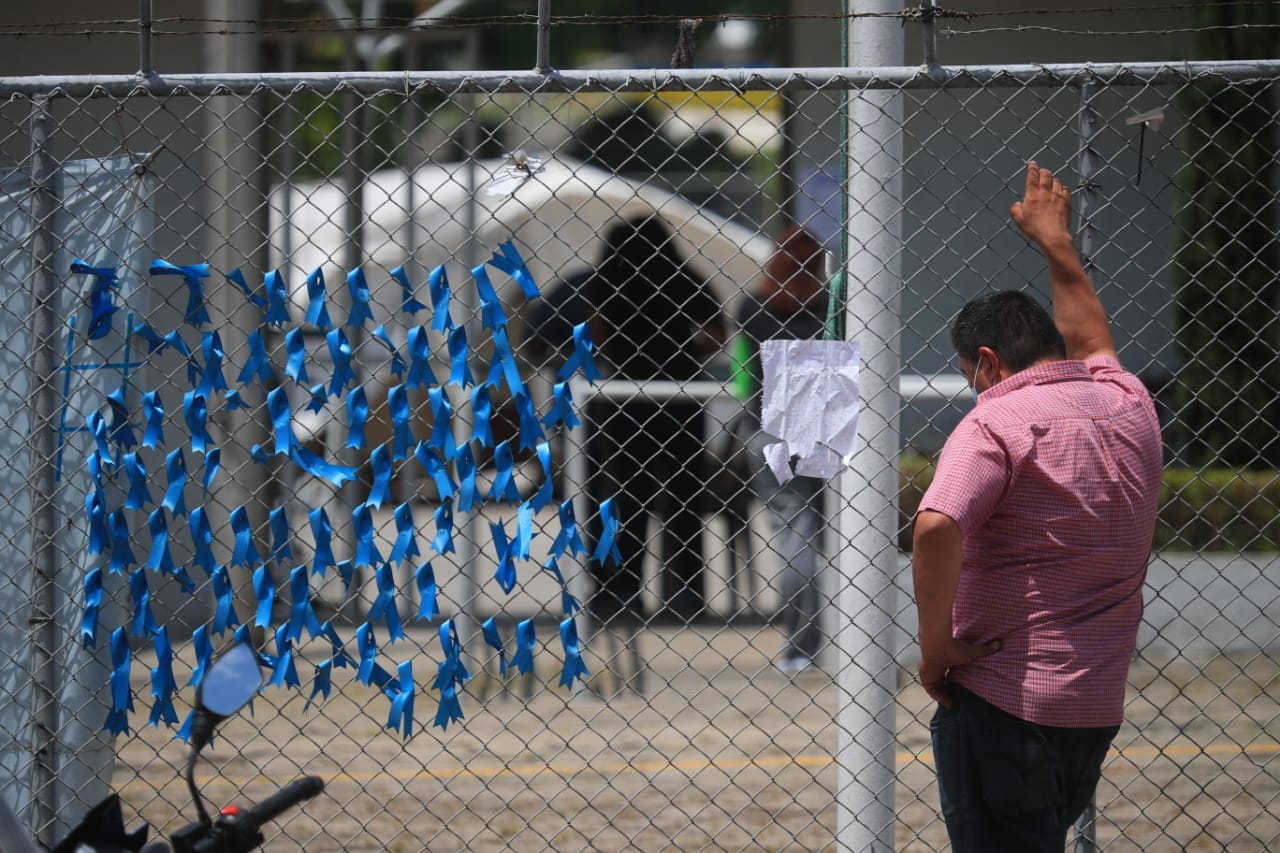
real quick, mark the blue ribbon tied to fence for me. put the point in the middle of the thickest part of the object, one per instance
(224, 615)
(113, 440)
(302, 615)
(438, 283)
(509, 261)
(489, 629)
(459, 369)
(425, 579)
(406, 544)
(317, 313)
(92, 608)
(162, 683)
(481, 415)
(382, 336)
(211, 379)
(322, 539)
(574, 667)
(192, 276)
(466, 465)
(202, 539)
(582, 358)
(506, 571)
(153, 419)
(340, 355)
(101, 304)
(117, 721)
(401, 692)
(408, 303)
(237, 278)
(450, 675)
(277, 300)
(358, 288)
(357, 417)
(522, 660)
(384, 606)
(120, 428)
(264, 590)
(295, 347)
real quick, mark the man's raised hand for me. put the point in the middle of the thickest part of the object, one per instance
(1044, 214)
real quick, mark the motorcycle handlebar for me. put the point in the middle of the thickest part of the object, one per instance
(240, 831)
(303, 788)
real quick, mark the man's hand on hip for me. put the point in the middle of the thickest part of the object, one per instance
(934, 665)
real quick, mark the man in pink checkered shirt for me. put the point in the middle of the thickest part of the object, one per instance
(1030, 551)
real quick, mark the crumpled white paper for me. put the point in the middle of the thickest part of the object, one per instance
(810, 402)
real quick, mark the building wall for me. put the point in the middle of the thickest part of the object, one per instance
(110, 52)
(965, 152)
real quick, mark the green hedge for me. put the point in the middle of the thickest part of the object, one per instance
(1213, 509)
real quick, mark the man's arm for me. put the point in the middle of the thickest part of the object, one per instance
(935, 566)
(1044, 216)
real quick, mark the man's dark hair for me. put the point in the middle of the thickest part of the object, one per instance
(1011, 323)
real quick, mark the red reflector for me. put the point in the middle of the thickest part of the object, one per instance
(230, 811)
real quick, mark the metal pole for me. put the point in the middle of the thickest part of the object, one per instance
(1087, 197)
(146, 67)
(929, 17)
(409, 157)
(866, 677)
(469, 527)
(44, 515)
(237, 237)
(543, 65)
(288, 159)
(354, 134)
(576, 473)
(613, 81)
(1087, 202)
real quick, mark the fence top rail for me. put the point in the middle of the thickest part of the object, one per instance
(643, 80)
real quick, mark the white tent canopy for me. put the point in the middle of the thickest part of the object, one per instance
(555, 218)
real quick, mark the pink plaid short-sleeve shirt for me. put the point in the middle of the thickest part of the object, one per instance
(1053, 479)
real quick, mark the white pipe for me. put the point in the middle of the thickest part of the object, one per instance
(894, 78)
(866, 674)
(912, 387)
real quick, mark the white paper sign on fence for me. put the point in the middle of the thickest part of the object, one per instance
(810, 403)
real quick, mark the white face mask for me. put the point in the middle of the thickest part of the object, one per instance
(973, 389)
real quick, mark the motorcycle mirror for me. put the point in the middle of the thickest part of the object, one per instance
(227, 687)
(231, 682)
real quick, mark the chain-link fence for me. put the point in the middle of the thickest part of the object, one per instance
(343, 460)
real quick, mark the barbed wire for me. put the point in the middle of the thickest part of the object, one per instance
(1022, 28)
(190, 25)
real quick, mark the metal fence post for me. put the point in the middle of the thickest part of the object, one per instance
(146, 64)
(354, 175)
(44, 511)
(866, 674)
(929, 32)
(234, 180)
(1087, 165)
(544, 37)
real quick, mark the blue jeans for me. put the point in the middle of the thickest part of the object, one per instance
(796, 523)
(1007, 784)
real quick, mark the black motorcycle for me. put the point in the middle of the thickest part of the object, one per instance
(233, 679)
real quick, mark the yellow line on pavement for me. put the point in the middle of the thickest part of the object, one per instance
(531, 770)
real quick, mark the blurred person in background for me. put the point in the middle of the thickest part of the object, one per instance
(788, 302)
(655, 319)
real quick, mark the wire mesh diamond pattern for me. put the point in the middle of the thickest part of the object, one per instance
(648, 220)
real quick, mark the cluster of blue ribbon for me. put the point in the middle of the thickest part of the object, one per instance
(113, 458)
